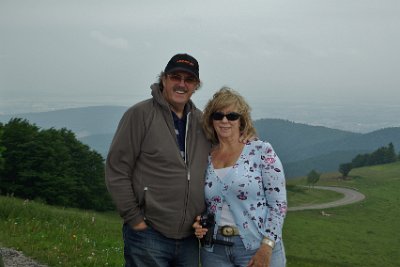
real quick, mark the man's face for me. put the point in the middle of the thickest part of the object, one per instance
(178, 88)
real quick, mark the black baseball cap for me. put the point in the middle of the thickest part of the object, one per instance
(183, 62)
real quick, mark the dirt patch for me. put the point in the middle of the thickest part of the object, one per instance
(14, 258)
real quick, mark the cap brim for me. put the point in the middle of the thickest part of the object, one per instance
(183, 69)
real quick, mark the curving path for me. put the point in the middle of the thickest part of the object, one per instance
(350, 196)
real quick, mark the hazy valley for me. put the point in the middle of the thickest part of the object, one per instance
(301, 147)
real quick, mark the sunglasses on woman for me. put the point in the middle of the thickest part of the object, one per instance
(231, 116)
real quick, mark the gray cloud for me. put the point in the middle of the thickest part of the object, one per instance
(103, 52)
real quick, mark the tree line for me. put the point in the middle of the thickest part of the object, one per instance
(51, 166)
(382, 155)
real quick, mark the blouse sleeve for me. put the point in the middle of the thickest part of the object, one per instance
(275, 191)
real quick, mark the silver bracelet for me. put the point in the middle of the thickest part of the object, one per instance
(268, 242)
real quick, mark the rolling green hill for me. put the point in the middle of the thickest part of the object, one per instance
(303, 147)
(349, 236)
(364, 234)
(322, 163)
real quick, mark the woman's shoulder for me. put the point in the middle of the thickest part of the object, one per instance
(259, 143)
(262, 146)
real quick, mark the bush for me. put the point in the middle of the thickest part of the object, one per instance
(53, 166)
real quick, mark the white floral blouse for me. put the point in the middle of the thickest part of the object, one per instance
(255, 192)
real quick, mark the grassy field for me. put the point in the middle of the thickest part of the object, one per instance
(61, 237)
(363, 234)
(302, 196)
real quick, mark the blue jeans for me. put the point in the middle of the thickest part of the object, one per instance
(237, 255)
(151, 248)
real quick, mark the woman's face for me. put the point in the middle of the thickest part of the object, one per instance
(226, 123)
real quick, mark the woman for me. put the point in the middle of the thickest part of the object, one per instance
(244, 189)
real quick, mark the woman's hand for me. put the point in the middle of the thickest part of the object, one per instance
(262, 258)
(199, 231)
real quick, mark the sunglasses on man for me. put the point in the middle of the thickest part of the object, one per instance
(189, 80)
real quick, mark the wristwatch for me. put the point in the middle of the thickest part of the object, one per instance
(268, 242)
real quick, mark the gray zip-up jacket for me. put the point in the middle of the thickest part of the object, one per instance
(145, 173)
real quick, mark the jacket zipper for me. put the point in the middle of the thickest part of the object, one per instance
(188, 174)
(144, 201)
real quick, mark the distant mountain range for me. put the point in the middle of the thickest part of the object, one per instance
(301, 147)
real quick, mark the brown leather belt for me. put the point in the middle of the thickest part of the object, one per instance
(228, 230)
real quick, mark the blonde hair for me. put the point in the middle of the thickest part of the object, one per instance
(224, 98)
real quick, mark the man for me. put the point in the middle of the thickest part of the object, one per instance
(155, 170)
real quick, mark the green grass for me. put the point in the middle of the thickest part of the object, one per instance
(362, 234)
(61, 237)
(302, 196)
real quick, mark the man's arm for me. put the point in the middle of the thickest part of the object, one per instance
(120, 165)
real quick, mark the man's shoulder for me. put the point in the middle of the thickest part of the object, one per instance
(138, 111)
(143, 105)
(196, 112)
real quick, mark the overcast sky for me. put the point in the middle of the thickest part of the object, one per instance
(64, 53)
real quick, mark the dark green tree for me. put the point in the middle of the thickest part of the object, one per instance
(382, 155)
(377, 157)
(390, 154)
(345, 169)
(18, 137)
(312, 178)
(360, 160)
(2, 148)
(52, 166)
(88, 168)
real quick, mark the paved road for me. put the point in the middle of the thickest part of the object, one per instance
(350, 196)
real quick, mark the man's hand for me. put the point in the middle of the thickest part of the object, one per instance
(140, 226)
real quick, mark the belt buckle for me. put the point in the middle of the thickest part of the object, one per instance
(227, 231)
